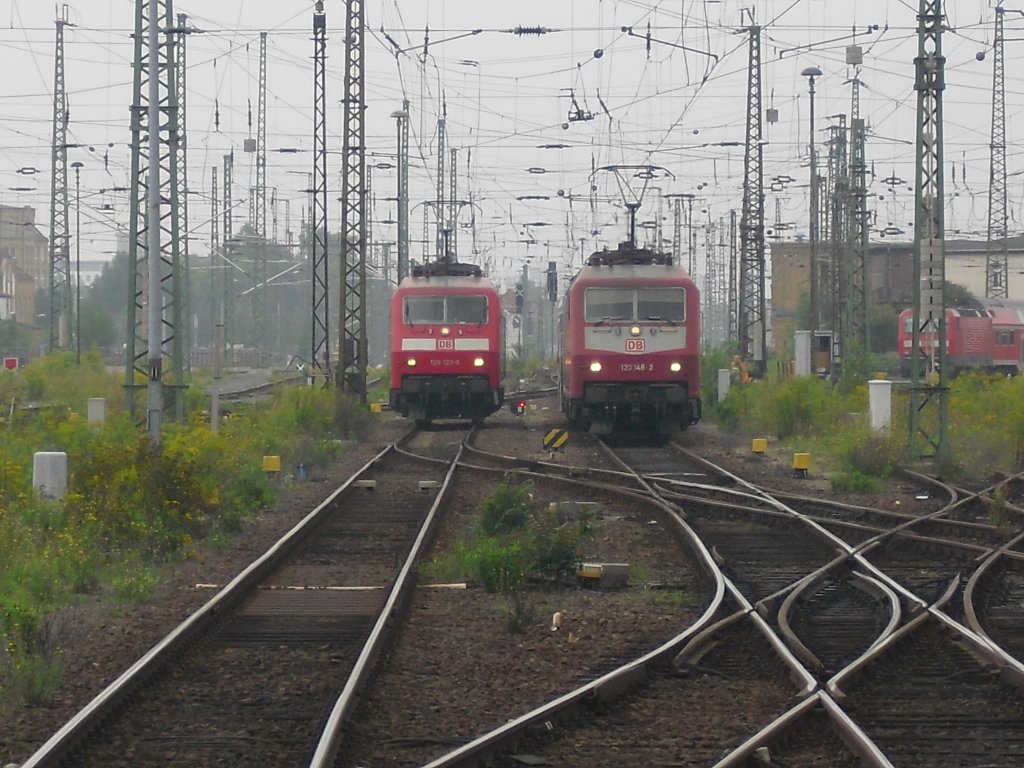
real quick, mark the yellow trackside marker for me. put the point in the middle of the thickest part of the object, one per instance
(555, 439)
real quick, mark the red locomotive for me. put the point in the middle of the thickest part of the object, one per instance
(447, 344)
(987, 334)
(630, 345)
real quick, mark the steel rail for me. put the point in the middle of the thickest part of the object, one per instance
(327, 747)
(612, 682)
(972, 583)
(57, 746)
(996, 656)
(812, 580)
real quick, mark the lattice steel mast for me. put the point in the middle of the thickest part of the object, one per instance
(352, 371)
(181, 89)
(217, 263)
(452, 249)
(439, 205)
(751, 316)
(856, 343)
(836, 278)
(259, 298)
(320, 355)
(997, 269)
(226, 251)
(929, 405)
(59, 261)
(155, 279)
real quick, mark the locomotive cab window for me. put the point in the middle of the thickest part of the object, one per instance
(446, 309)
(666, 304)
(661, 304)
(607, 304)
(467, 309)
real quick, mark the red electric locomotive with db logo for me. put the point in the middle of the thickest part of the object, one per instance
(447, 344)
(630, 345)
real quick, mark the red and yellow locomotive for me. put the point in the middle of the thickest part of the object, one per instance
(447, 344)
(630, 345)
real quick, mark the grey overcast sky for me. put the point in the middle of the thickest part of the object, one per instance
(680, 106)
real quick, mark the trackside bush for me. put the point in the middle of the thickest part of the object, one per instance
(130, 505)
(506, 508)
(513, 543)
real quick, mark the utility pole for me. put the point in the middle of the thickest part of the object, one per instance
(732, 320)
(352, 371)
(929, 402)
(836, 284)
(997, 270)
(677, 229)
(259, 297)
(154, 311)
(320, 354)
(439, 211)
(60, 235)
(402, 118)
(217, 263)
(710, 297)
(227, 244)
(856, 344)
(810, 73)
(452, 249)
(181, 89)
(752, 321)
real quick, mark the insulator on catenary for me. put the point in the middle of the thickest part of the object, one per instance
(530, 31)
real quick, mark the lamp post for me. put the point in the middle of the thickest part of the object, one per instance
(77, 165)
(810, 73)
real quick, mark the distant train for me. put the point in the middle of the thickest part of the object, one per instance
(630, 345)
(447, 344)
(987, 334)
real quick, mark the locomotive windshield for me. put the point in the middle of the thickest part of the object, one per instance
(661, 304)
(470, 310)
(667, 304)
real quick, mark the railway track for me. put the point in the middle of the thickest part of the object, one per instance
(834, 614)
(251, 677)
(777, 661)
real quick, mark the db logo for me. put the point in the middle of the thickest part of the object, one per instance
(636, 345)
(446, 343)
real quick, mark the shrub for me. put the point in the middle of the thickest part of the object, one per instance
(506, 508)
(853, 482)
(867, 452)
(499, 567)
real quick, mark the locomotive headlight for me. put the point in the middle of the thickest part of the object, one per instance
(635, 330)
(676, 367)
(595, 367)
(411, 362)
(478, 362)
(446, 331)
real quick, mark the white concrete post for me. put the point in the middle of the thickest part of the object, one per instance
(880, 404)
(724, 382)
(802, 355)
(97, 410)
(50, 473)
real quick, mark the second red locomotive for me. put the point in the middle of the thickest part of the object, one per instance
(447, 344)
(987, 334)
(630, 345)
